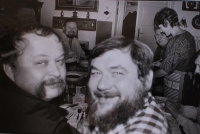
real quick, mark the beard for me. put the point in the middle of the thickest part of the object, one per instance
(71, 34)
(119, 114)
(40, 91)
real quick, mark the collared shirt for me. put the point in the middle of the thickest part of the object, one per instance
(149, 120)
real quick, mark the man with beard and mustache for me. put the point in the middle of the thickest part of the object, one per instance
(119, 83)
(71, 42)
(34, 73)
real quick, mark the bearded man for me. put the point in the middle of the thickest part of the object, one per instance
(71, 42)
(119, 83)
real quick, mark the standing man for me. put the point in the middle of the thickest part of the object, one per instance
(179, 56)
(34, 73)
(119, 83)
(71, 42)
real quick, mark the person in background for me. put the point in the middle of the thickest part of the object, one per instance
(179, 55)
(119, 84)
(187, 116)
(34, 73)
(71, 42)
(161, 40)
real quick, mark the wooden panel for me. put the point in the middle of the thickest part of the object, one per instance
(104, 29)
(83, 24)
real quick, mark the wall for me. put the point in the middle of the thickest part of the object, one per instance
(189, 15)
(48, 11)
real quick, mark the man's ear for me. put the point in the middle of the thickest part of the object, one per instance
(9, 71)
(148, 80)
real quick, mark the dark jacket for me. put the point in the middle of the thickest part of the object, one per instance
(21, 112)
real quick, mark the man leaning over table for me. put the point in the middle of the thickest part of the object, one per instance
(185, 114)
(119, 83)
(34, 74)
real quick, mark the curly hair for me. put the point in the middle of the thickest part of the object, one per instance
(166, 14)
(11, 45)
(140, 53)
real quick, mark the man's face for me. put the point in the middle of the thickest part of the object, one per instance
(197, 62)
(167, 30)
(113, 80)
(161, 38)
(71, 29)
(40, 69)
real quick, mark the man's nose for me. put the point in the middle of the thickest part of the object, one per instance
(105, 83)
(197, 70)
(53, 70)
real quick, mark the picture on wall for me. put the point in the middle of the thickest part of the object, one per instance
(191, 6)
(77, 5)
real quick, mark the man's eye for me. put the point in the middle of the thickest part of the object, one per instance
(117, 73)
(61, 62)
(40, 63)
(95, 73)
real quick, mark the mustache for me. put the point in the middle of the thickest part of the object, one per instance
(106, 94)
(54, 81)
(40, 92)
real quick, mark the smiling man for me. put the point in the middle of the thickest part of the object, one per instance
(119, 83)
(34, 73)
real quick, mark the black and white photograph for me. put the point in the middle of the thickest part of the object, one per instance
(99, 67)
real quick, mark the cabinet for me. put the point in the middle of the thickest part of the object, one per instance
(14, 13)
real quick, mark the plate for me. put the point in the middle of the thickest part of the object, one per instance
(74, 76)
(196, 22)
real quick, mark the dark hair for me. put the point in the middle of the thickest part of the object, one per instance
(166, 14)
(69, 20)
(10, 47)
(140, 53)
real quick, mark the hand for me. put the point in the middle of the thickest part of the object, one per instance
(157, 64)
(83, 126)
(72, 56)
(173, 108)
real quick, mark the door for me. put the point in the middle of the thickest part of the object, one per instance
(145, 18)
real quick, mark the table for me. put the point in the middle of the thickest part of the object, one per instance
(172, 122)
(75, 115)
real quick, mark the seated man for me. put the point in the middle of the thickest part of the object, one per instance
(71, 42)
(34, 74)
(119, 83)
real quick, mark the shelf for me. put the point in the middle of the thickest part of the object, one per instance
(83, 24)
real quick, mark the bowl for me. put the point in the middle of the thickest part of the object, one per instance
(74, 76)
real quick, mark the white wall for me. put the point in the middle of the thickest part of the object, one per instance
(189, 15)
(48, 11)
